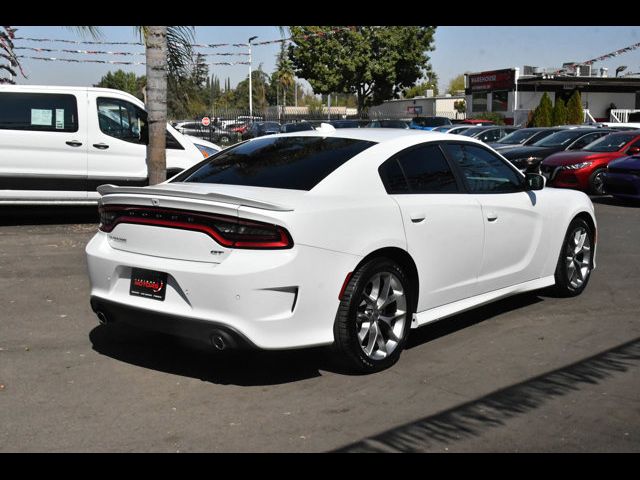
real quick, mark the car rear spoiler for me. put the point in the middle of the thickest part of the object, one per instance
(109, 189)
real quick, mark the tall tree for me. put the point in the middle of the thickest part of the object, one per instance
(126, 81)
(542, 117)
(419, 90)
(456, 84)
(284, 74)
(375, 63)
(575, 113)
(559, 115)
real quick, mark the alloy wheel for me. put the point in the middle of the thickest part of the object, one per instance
(381, 315)
(578, 257)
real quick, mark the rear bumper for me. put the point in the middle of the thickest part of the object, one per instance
(275, 299)
(170, 324)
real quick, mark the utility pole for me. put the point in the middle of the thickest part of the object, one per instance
(250, 87)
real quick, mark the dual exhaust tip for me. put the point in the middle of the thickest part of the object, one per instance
(219, 339)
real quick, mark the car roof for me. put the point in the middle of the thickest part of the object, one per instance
(379, 135)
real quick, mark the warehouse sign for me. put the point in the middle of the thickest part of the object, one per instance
(493, 80)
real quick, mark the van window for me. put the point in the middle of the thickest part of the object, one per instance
(41, 112)
(122, 120)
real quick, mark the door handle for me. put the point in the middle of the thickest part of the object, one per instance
(492, 216)
(101, 146)
(74, 143)
(417, 217)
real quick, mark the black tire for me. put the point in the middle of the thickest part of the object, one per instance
(563, 286)
(596, 182)
(347, 349)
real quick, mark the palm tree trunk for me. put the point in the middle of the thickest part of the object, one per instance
(156, 103)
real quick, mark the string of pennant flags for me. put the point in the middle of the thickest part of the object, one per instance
(606, 56)
(112, 62)
(10, 35)
(197, 45)
(104, 52)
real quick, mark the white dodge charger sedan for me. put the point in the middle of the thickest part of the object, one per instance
(347, 237)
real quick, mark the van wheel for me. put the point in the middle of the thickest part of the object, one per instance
(374, 317)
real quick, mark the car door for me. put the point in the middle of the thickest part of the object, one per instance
(117, 142)
(513, 218)
(443, 225)
(43, 145)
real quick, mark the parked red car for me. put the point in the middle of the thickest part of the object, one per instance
(584, 169)
(477, 122)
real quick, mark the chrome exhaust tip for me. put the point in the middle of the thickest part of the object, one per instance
(102, 318)
(218, 342)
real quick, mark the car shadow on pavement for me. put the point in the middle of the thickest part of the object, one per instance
(617, 202)
(194, 359)
(495, 409)
(466, 319)
(48, 215)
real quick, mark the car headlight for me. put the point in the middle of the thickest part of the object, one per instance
(577, 166)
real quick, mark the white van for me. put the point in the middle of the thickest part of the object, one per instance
(58, 144)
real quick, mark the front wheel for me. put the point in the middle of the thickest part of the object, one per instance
(596, 182)
(576, 259)
(374, 316)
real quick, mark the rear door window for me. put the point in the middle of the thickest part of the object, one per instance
(40, 112)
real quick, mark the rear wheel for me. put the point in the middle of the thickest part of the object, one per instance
(373, 320)
(576, 259)
(596, 182)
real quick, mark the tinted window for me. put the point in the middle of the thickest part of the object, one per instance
(559, 139)
(172, 143)
(296, 127)
(489, 135)
(483, 171)
(586, 140)
(42, 112)
(427, 170)
(298, 163)
(431, 121)
(392, 177)
(122, 120)
(611, 143)
(518, 137)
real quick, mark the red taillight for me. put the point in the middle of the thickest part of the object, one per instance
(228, 231)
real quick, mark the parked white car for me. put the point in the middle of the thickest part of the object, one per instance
(347, 237)
(57, 144)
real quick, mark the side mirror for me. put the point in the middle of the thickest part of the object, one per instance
(633, 150)
(533, 181)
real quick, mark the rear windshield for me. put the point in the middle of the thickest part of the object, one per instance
(297, 163)
(518, 137)
(560, 139)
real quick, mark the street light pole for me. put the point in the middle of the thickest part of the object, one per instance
(250, 87)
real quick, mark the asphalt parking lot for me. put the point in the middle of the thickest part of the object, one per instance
(531, 373)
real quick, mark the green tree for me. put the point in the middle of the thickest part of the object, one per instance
(284, 75)
(559, 116)
(125, 81)
(259, 85)
(460, 106)
(420, 90)
(375, 63)
(542, 116)
(575, 113)
(456, 84)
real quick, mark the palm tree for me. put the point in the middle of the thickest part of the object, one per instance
(284, 72)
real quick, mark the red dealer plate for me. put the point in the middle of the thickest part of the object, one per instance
(148, 284)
